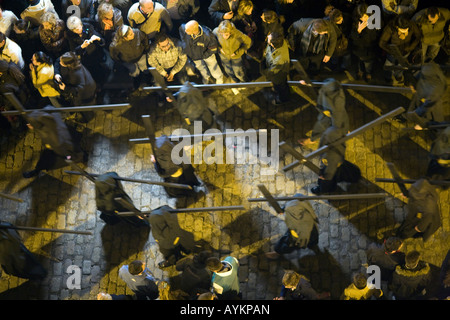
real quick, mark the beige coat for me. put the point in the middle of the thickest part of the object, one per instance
(42, 79)
(238, 43)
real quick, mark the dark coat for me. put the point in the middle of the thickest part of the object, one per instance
(408, 284)
(300, 218)
(80, 86)
(167, 232)
(53, 132)
(385, 260)
(195, 277)
(15, 259)
(423, 211)
(107, 188)
(200, 47)
(87, 9)
(218, 8)
(364, 45)
(93, 54)
(129, 51)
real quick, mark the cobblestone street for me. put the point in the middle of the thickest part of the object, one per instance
(347, 228)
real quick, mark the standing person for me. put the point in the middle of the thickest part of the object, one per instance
(225, 278)
(86, 9)
(27, 38)
(297, 287)
(393, 8)
(107, 189)
(220, 10)
(423, 218)
(77, 86)
(333, 166)
(182, 173)
(398, 39)
(233, 44)
(387, 256)
(42, 76)
(431, 22)
(10, 51)
(331, 107)
(88, 44)
(313, 42)
(200, 45)
(52, 34)
(15, 259)
(129, 48)
(439, 158)
(426, 105)
(410, 280)
(150, 17)
(7, 20)
(194, 278)
(364, 43)
(276, 65)
(341, 58)
(108, 20)
(167, 57)
(172, 240)
(35, 11)
(181, 11)
(139, 279)
(57, 139)
(302, 229)
(359, 290)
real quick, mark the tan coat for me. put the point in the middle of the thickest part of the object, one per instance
(42, 79)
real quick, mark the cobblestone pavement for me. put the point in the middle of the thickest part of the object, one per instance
(59, 200)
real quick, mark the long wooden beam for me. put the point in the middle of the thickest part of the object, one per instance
(70, 109)
(331, 197)
(411, 181)
(45, 230)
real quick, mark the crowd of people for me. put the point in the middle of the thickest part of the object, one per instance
(64, 53)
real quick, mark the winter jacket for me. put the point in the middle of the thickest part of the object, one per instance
(365, 44)
(218, 8)
(87, 9)
(11, 52)
(143, 285)
(300, 220)
(277, 63)
(300, 34)
(130, 51)
(42, 78)
(152, 24)
(227, 282)
(235, 46)
(432, 33)
(408, 284)
(200, 46)
(390, 36)
(400, 6)
(34, 13)
(54, 40)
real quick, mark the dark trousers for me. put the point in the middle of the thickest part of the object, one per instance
(286, 244)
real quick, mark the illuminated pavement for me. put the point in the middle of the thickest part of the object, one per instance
(347, 228)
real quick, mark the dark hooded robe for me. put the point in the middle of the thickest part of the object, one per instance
(302, 224)
(15, 259)
(107, 189)
(426, 105)
(192, 106)
(331, 105)
(56, 138)
(172, 240)
(171, 172)
(423, 211)
(333, 166)
(439, 165)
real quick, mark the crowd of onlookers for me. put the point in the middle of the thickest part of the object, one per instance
(64, 53)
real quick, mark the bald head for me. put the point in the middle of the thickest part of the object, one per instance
(147, 6)
(191, 27)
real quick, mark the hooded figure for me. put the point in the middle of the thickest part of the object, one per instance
(192, 106)
(333, 167)
(107, 188)
(170, 172)
(172, 240)
(423, 218)
(302, 224)
(331, 103)
(15, 259)
(426, 105)
(439, 165)
(56, 138)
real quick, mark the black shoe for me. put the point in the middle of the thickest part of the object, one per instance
(30, 174)
(316, 190)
